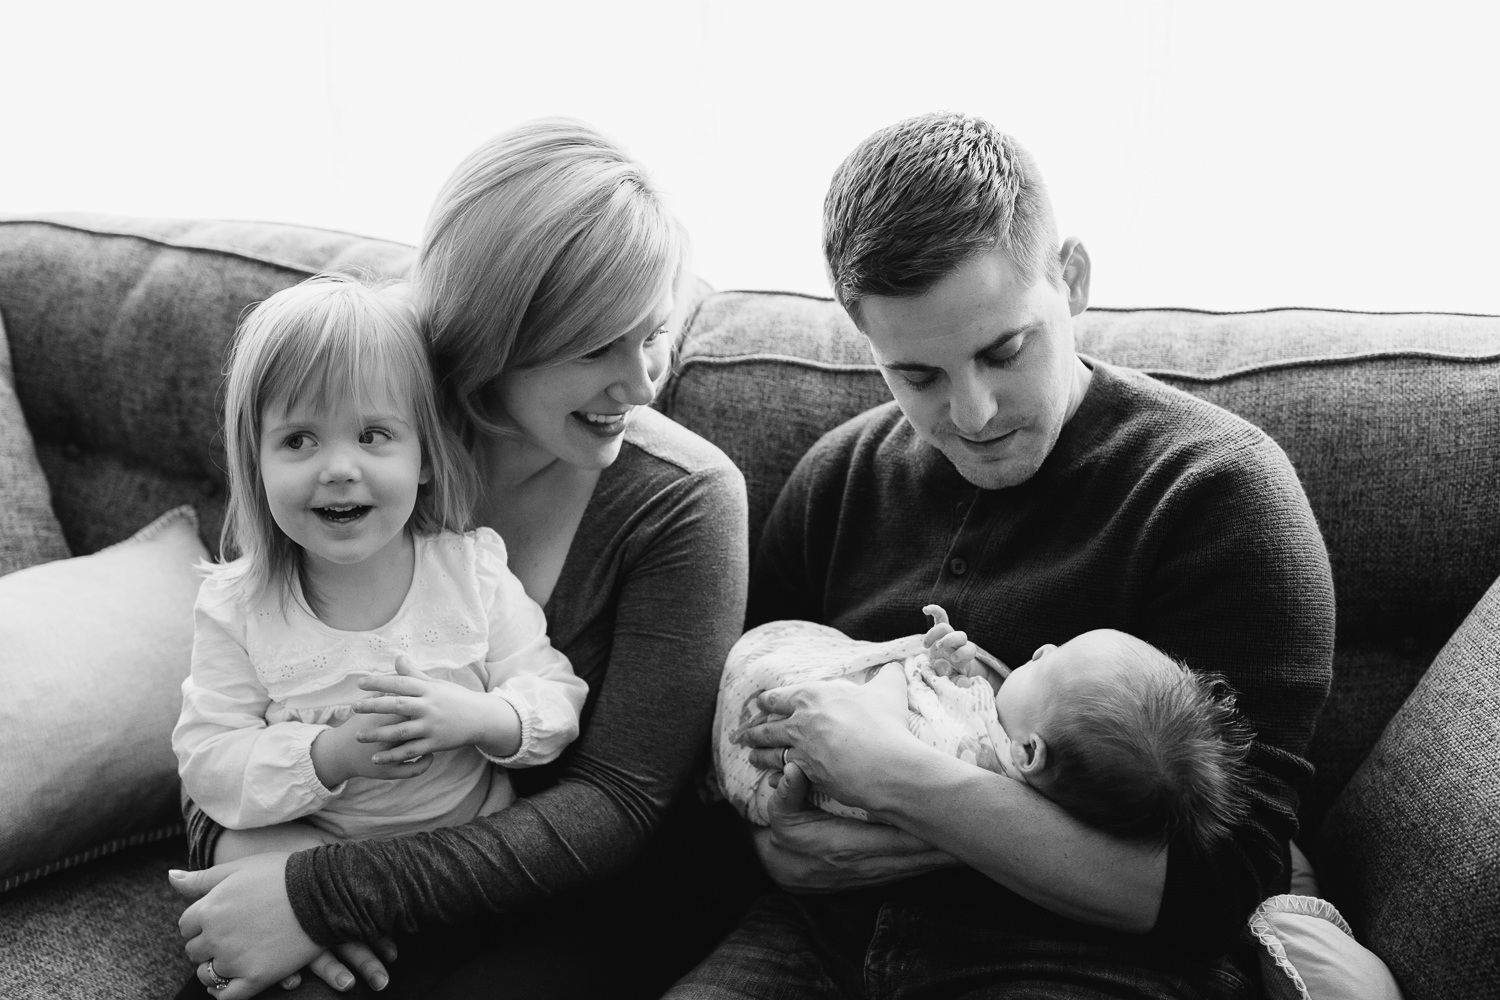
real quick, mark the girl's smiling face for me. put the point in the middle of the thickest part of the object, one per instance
(577, 411)
(341, 479)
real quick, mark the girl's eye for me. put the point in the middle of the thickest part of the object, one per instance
(373, 435)
(297, 441)
(657, 334)
(919, 380)
(597, 352)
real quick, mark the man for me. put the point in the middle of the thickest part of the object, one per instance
(1036, 495)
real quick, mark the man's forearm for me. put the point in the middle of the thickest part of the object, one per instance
(1011, 833)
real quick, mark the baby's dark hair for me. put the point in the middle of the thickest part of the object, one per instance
(1153, 751)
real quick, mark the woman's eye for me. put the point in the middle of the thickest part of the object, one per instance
(656, 334)
(598, 352)
(919, 380)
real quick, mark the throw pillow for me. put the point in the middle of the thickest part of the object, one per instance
(1411, 848)
(29, 532)
(93, 651)
(1308, 952)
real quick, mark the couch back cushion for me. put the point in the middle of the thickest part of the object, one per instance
(119, 330)
(1392, 421)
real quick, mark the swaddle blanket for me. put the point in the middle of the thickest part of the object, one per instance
(952, 712)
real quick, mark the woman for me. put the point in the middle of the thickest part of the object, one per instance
(548, 273)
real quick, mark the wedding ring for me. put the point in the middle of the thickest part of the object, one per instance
(783, 757)
(219, 982)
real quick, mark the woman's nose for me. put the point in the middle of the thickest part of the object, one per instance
(635, 383)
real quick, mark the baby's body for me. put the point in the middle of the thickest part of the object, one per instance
(952, 711)
(1108, 727)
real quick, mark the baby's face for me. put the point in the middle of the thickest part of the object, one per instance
(1037, 688)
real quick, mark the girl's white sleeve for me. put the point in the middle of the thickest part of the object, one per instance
(240, 770)
(522, 665)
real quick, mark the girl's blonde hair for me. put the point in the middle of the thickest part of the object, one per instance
(547, 242)
(332, 337)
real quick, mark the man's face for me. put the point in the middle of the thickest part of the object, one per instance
(983, 363)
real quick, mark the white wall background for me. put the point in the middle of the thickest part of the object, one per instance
(1291, 152)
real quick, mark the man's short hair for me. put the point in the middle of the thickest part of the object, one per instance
(920, 198)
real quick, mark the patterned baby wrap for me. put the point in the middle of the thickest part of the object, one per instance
(954, 713)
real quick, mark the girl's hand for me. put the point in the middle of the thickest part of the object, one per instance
(437, 715)
(344, 751)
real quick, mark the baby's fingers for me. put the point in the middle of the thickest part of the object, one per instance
(937, 633)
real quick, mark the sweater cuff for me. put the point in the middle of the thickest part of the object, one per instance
(302, 870)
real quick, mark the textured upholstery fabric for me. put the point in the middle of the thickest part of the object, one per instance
(1412, 846)
(93, 651)
(29, 532)
(123, 326)
(117, 329)
(1391, 420)
(106, 931)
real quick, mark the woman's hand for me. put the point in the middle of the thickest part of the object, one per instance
(242, 921)
(808, 850)
(241, 918)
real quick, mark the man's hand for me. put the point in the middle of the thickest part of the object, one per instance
(807, 850)
(845, 736)
(436, 715)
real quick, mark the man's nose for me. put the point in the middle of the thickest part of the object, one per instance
(971, 405)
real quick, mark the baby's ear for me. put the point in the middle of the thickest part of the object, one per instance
(1030, 756)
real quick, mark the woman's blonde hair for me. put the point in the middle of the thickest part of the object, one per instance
(331, 338)
(547, 242)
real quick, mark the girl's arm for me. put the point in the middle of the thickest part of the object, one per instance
(666, 603)
(238, 769)
(530, 707)
(525, 670)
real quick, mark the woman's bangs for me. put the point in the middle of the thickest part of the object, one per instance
(622, 268)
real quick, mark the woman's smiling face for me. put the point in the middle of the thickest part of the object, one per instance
(577, 411)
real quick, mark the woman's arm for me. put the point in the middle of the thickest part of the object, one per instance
(671, 602)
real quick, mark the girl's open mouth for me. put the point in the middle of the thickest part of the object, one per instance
(342, 515)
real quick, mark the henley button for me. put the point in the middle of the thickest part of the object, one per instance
(958, 566)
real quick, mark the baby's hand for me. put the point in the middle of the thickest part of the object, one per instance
(951, 652)
(948, 650)
(435, 715)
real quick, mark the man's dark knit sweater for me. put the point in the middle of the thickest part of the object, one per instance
(1157, 514)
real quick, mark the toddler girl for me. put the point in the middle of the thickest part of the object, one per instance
(352, 575)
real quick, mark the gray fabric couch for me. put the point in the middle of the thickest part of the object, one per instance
(117, 329)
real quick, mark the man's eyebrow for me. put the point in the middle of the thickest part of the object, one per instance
(999, 341)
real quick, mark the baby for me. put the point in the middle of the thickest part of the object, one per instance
(1105, 725)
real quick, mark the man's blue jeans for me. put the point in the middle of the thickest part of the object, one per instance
(833, 946)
